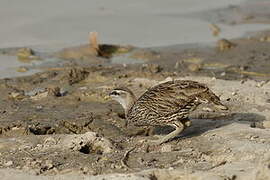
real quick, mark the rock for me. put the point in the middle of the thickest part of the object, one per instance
(35, 91)
(215, 29)
(22, 69)
(54, 91)
(263, 125)
(40, 93)
(18, 95)
(166, 148)
(152, 68)
(89, 142)
(266, 124)
(223, 74)
(9, 163)
(265, 39)
(40, 96)
(50, 141)
(224, 44)
(177, 64)
(26, 54)
(194, 67)
(75, 75)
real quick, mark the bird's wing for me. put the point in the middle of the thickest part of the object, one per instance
(172, 97)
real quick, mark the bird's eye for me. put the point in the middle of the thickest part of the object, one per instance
(114, 93)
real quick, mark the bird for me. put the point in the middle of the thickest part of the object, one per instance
(168, 103)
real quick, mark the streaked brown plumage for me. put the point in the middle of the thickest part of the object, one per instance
(168, 103)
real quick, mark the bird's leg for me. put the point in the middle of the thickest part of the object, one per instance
(179, 127)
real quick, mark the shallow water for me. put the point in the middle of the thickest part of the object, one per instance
(9, 67)
(140, 23)
(51, 25)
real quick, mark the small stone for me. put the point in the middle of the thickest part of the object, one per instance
(194, 67)
(224, 44)
(40, 96)
(234, 93)
(48, 164)
(177, 65)
(265, 39)
(25, 53)
(35, 91)
(254, 137)
(50, 141)
(22, 69)
(39, 107)
(17, 95)
(54, 91)
(9, 163)
(153, 68)
(39, 145)
(166, 148)
(223, 74)
(215, 29)
(112, 166)
(266, 124)
(260, 84)
(83, 88)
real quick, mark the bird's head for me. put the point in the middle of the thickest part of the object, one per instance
(124, 96)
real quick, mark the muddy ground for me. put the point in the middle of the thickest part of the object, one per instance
(61, 121)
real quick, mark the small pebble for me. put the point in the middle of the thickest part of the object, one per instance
(166, 148)
(39, 107)
(194, 67)
(9, 163)
(22, 69)
(223, 74)
(234, 93)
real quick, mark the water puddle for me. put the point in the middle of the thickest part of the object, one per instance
(12, 67)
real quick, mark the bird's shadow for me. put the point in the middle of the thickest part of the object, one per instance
(199, 126)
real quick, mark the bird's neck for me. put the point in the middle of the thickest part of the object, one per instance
(128, 103)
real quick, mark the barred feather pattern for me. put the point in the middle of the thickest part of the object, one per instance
(169, 102)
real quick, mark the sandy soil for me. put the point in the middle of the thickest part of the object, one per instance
(60, 124)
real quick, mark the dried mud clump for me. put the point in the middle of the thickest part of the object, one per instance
(93, 49)
(152, 68)
(87, 143)
(25, 54)
(75, 75)
(224, 44)
(215, 29)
